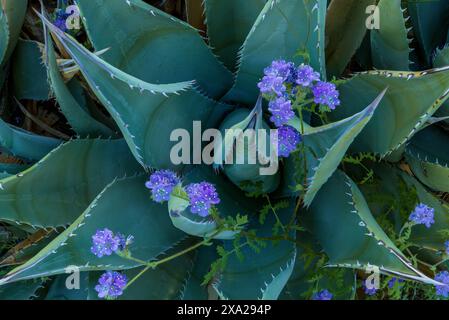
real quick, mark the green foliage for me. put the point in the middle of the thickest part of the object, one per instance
(133, 74)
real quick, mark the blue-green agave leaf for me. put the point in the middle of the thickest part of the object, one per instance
(13, 168)
(294, 26)
(28, 72)
(389, 44)
(325, 148)
(57, 290)
(146, 113)
(430, 21)
(139, 216)
(77, 116)
(412, 98)
(152, 45)
(442, 60)
(341, 221)
(345, 30)
(429, 158)
(58, 188)
(25, 144)
(330, 144)
(228, 24)
(12, 14)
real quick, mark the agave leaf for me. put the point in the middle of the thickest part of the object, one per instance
(430, 21)
(412, 98)
(146, 113)
(342, 223)
(293, 25)
(77, 116)
(340, 135)
(146, 43)
(442, 60)
(64, 182)
(429, 158)
(232, 202)
(13, 168)
(25, 144)
(243, 165)
(228, 24)
(345, 30)
(441, 57)
(262, 275)
(12, 14)
(57, 290)
(28, 73)
(139, 216)
(325, 148)
(389, 44)
(24, 290)
(4, 175)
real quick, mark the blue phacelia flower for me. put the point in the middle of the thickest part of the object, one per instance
(423, 215)
(281, 110)
(369, 291)
(111, 285)
(61, 18)
(282, 69)
(305, 76)
(442, 290)
(323, 295)
(326, 93)
(105, 243)
(124, 242)
(446, 245)
(288, 139)
(202, 197)
(272, 85)
(393, 281)
(161, 184)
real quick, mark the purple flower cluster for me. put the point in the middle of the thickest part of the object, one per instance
(369, 291)
(305, 75)
(442, 290)
(105, 242)
(275, 77)
(111, 285)
(323, 295)
(281, 110)
(288, 139)
(202, 197)
(326, 93)
(161, 184)
(61, 18)
(423, 215)
(282, 79)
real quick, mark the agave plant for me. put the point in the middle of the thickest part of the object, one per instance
(362, 188)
